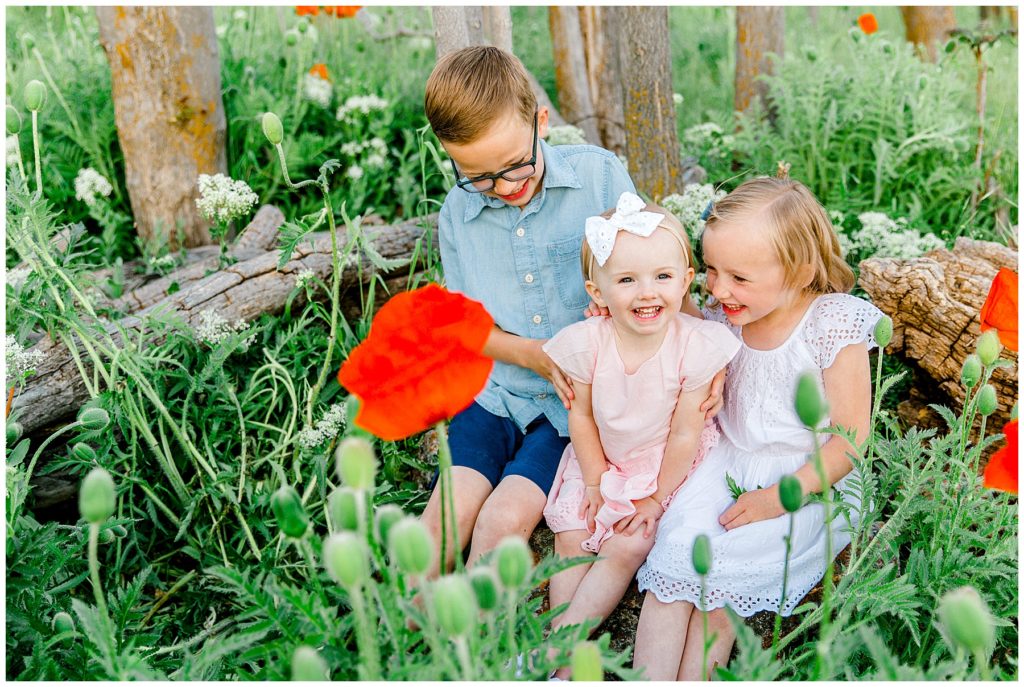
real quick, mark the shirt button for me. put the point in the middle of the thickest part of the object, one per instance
(528, 279)
(520, 232)
(542, 396)
(536, 319)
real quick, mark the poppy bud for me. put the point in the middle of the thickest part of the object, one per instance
(12, 121)
(119, 531)
(291, 37)
(302, 25)
(345, 558)
(970, 373)
(386, 516)
(356, 463)
(35, 95)
(513, 561)
(290, 514)
(62, 622)
(454, 605)
(83, 452)
(29, 40)
(810, 406)
(14, 431)
(272, 128)
(883, 331)
(485, 586)
(791, 494)
(586, 663)
(989, 347)
(343, 504)
(987, 400)
(308, 665)
(94, 419)
(97, 496)
(702, 554)
(106, 536)
(411, 547)
(966, 618)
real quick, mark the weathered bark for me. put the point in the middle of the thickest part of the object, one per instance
(760, 31)
(498, 26)
(165, 73)
(934, 302)
(928, 26)
(574, 94)
(601, 46)
(652, 145)
(244, 290)
(990, 13)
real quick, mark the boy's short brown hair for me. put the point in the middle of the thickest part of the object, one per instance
(470, 88)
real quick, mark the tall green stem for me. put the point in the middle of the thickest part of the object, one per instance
(449, 523)
(335, 298)
(785, 579)
(35, 150)
(826, 589)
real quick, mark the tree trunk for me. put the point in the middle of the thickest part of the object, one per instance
(498, 26)
(652, 145)
(604, 77)
(990, 14)
(165, 73)
(760, 31)
(574, 94)
(928, 26)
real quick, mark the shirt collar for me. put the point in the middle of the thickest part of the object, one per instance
(557, 173)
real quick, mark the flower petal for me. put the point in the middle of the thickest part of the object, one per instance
(1002, 469)
(1001, 307)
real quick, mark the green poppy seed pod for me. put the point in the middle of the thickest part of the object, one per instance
(29, 40)
(84, 452)
(384, 519)
(702, 554)
(513, 561)
(308, 665)
(454, 605)
(106, 536)
(970, 373)
(988, 401)
(586, 663)
(35, 95)
(119, 531)
(791, 494)
(14, 431)
(356, 462)
(485, 585)
(883, 331)
(412, 549)
(966, 618)
(290, 514)
(810, 406)
(989, 347)
(94, 419)
(272, 128)
(62, 622)
(343, 504)
(12, 121)
(97, 496)
(346, 559)
(291, 37)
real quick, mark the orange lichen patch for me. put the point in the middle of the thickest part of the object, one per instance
(122, 51)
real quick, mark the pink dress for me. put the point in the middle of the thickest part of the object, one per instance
(633, 412)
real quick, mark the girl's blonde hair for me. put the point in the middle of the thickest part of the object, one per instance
(669, 223)
(798, 227)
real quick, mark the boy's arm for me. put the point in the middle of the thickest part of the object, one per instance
(586, 443)
(518, 350)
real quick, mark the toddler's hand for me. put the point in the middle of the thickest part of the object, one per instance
(541, 363)
(592, 502)
(648, 512)
(713, 403)
(595, 310)
(753, 506)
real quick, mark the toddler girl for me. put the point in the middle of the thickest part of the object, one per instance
(639, 376)
(779, 282)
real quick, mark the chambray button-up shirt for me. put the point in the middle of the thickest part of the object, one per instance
(524, 265)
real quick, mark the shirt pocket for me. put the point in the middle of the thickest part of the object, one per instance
(564, 256)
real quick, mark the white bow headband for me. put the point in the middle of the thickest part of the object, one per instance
(629, 216)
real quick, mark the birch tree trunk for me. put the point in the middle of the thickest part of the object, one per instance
(571, 78)
(927, 26)
(652, 145)
(165, 73)
(759, 31)
(604, 77)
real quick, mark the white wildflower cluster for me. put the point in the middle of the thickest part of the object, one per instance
(13, 150)
(162, 263)
(354, 172)
(565, 135)
(376, 147)
(221, 30)
(317, 90)
(708, 140)
(884, 237)
(690, 205)
(89, 184)
(13, 477)
(329, 426)
(222, 199)
(677, 98)
(213, 329)
(364, 104)
(304, 278)
(20, 363)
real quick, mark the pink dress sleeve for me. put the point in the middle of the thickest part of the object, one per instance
(574, 349)
(709, 347)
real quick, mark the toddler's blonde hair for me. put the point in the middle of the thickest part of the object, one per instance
(798, 227)
(669, 223)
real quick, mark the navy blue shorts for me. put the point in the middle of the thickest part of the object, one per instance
(494, 447)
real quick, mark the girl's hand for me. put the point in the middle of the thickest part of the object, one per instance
(648, 512)
(541, 363)
(713, 403)
(592, 502)
(595, 310)
(753, 506)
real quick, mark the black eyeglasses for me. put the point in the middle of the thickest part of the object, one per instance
(486, 182)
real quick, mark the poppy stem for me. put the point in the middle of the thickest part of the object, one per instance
(449, 524)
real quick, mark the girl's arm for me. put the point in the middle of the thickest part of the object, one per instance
(586, 442)
(848, 392)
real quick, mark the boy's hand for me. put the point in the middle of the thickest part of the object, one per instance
(541, 363)
(753, 506)
(648, 512)
(713, 403)
(592, 502)
(595, 310)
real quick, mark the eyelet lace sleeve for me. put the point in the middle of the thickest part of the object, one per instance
(839, 320)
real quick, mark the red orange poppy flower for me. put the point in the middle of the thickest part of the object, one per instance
(867, 23)
(307, 10)
(421, 363)
(343, 11)
(1000, 309)
(320, 69)
(1001, 471)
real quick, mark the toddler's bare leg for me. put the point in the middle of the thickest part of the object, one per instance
(513, 508)
(471, 490)
(563, 585)
(718, 655)
(661, 636)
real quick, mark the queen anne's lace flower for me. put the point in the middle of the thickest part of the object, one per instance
(688, 206)
(884, 237)
(213, 329)
(222, 199)
(20, 363)
(565, 135)
(364, 104)
(89, 184)
(317, 90)
(304, 278)
(355, 172)
(329, 426)
(376, 161)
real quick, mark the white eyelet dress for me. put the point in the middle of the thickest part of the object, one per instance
(762, 440)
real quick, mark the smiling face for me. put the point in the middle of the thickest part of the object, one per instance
(643, 283)
(507, 142)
